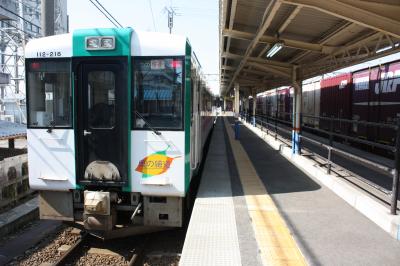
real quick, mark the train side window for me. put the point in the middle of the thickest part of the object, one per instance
(49, 94)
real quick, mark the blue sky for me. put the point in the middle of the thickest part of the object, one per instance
(198, 20)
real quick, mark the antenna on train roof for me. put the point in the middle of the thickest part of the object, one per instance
(171, 13)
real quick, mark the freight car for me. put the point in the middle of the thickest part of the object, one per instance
(276, 103)
(117, 122)
(371, 95)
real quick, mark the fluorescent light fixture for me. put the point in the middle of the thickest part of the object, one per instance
(276, 48)
(100, 43)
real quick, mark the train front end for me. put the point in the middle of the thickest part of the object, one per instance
(107, 136)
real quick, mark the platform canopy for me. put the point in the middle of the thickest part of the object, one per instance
(312, 37)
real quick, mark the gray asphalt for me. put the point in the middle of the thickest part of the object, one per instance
(327, 229)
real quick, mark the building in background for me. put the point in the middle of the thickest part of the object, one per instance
(20, 21)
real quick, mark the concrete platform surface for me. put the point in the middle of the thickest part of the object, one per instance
(252, 203)
(328, 230)
(17, 216)
(211, 238)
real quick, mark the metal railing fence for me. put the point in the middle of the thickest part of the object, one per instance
(272, 126)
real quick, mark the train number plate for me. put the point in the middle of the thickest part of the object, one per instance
(49, 54)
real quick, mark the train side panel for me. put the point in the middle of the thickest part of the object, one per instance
(158, 163)
(51, 159)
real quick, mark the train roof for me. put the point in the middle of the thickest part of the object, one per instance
(142, 44)
(156, 43)
(61, 43)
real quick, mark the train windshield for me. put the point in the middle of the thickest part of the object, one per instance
(49, 93)
(157, 95)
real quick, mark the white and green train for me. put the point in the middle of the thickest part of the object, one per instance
(117, 122)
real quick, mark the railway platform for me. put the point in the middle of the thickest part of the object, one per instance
(255, 207)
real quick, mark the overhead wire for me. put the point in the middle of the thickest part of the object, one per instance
(15, 14)
(106, 13)
(109, 14)
(152, 15)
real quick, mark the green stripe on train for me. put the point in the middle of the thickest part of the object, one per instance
(122, 48)
(128, 187)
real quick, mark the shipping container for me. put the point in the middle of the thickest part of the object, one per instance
(384, 100)
(284, 103)
(271, 102)
(361, 102)
(371, 95)
(335, 101)
(311, 105)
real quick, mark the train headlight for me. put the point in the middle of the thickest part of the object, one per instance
(107, 43)
(100, 43)
(92, 43)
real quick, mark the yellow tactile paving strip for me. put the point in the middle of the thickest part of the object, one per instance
(273, 237)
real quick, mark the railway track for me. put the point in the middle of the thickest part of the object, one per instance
(72, 250)
(83, 248)
(70, 246)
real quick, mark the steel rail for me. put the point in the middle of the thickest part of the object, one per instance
(137, 257)
(72, 250)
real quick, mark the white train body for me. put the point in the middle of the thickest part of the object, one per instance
(117, 122)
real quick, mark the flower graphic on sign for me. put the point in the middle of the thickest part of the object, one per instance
(155, 164)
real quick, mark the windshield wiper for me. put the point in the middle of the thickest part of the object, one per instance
(158, 133)
(52, 125)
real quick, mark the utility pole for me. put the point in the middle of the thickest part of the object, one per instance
(47, 17)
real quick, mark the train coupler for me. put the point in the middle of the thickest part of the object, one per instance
(98, 213)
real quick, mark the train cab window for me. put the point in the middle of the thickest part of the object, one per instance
(49, 94)
(101, 89)
(157, 94)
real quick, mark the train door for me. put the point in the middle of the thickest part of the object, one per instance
(194, 125)
(102, 123)
(196, 104)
